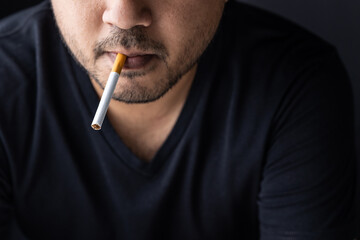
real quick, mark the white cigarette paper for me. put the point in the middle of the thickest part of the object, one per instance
(108, 92)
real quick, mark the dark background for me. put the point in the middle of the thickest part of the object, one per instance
(336, 21)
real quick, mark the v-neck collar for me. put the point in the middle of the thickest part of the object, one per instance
(203, 77)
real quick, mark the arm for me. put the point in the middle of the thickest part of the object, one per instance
(308, 185)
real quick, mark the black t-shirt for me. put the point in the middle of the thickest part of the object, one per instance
(263, 148)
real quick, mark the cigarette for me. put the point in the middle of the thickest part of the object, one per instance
(108, 92)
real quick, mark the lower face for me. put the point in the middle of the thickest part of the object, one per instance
(161, 49)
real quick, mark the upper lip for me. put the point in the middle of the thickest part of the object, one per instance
(131, 53)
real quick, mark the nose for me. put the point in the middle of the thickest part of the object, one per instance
(126, 14)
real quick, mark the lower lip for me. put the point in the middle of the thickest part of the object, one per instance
(135, 62)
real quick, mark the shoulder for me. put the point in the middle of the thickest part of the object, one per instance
(24, 20)
(246, 20)
(258, 35)
(272, 51)
(25, 38)
(271, 62)
(21, 39)
(19, 36)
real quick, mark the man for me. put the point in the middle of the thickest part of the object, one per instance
(226, 123)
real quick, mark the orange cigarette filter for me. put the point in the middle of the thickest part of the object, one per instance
(119, 63)
(108, 92)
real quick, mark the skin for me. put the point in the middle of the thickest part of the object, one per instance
(174, 32)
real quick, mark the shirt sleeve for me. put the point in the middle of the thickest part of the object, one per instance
(308, 185)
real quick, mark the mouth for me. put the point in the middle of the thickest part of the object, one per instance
(134, 61)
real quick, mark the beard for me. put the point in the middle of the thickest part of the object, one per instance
(135, 38)
(135, 90)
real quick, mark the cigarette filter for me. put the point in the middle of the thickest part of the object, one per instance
(108, 92)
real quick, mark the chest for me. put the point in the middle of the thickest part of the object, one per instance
(204, 194)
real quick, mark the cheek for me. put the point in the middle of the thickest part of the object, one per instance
(79, 22)
(188, 25)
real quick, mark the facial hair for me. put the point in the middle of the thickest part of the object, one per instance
(136, 38)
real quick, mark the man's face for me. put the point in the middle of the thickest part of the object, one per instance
(163, 39)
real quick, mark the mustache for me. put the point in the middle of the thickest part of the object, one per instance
(134, 38)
